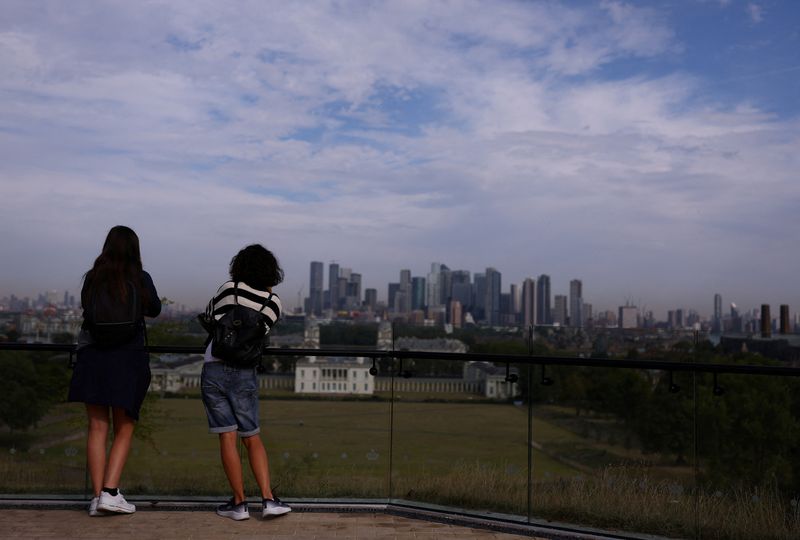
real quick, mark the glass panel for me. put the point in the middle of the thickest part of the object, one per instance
(614, 448)
(323, 438)
(42, 442)
(460, 437)
(172, 452)
(330, 437)
(749, 427)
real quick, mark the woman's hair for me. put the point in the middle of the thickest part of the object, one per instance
(119, 262)
(257, 267)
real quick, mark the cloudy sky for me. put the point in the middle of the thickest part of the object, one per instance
(650, 149)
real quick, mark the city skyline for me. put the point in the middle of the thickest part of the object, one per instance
(649, 150)
(544, 296)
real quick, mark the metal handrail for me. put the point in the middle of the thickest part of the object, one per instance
(660, 365)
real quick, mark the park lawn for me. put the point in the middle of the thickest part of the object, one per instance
(323, 447)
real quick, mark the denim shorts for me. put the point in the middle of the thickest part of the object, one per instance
(230, 397)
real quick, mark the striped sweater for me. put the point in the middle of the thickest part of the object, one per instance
(230, 294)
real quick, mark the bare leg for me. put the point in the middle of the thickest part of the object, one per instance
(123, 433)
(96, 441)
(232, 464)
(257, 455)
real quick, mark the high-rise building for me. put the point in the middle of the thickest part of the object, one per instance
(353, 288)
(433, 296)
(679, 320)
(492, 302)
(515, 299)
(461, 288)
(628, 317)
(716, 323)
(392, 296)
(560, 309)
(370, 298)
(543, 315)
(333, 285)
(528, 307)
(576, 303)
(445, 285)
(785, 323)
(455, 315)
(402, 302)
(417, 293)
(315, 296)
(479, 296)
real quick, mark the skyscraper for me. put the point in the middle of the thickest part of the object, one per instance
(461, 288)
(560, 310)
(392, 296)
(576, 303)
(514, 306)
(370, 298)
(543, 315)
(433, 297)
(353, 295)
(528, 302)
(315, 297)
(333, 285)
(479, 296)
(417, 293)
(402, 302)
(716, 325)
(628, 317)
(492, 302)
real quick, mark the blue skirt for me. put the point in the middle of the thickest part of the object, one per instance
(113, 377)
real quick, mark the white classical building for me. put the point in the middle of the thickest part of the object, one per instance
(348, 375)
(333, 375)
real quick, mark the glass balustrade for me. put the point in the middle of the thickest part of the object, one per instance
(460, 436)
(678, 453)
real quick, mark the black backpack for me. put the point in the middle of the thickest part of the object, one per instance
(237, 337)
(113, 321)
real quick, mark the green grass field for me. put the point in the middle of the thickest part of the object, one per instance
(468, 455)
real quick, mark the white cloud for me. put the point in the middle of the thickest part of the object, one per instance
(208, 125)
(755, 12)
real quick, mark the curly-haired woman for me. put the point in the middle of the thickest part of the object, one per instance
(230, 393)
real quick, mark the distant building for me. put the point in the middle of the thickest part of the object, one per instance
(333, 286)
(543, 315)
(576, 303)
(370, 298)
(479, 296)
(528, 307)
(315, 289)
(492, 302)
(559, 314)
(628, 317)
(418, 293)
(333, 375)
(456, 315)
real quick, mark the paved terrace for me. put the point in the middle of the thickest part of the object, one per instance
(204, 524)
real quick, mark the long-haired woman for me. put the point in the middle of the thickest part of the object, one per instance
(112, 371)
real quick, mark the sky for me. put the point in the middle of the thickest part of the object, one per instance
(650, 149)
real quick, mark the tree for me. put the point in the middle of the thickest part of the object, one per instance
(29, 385)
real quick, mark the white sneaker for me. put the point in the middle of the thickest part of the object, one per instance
(115, 503)
(93, 511)
(274, 507)
(237, 512)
